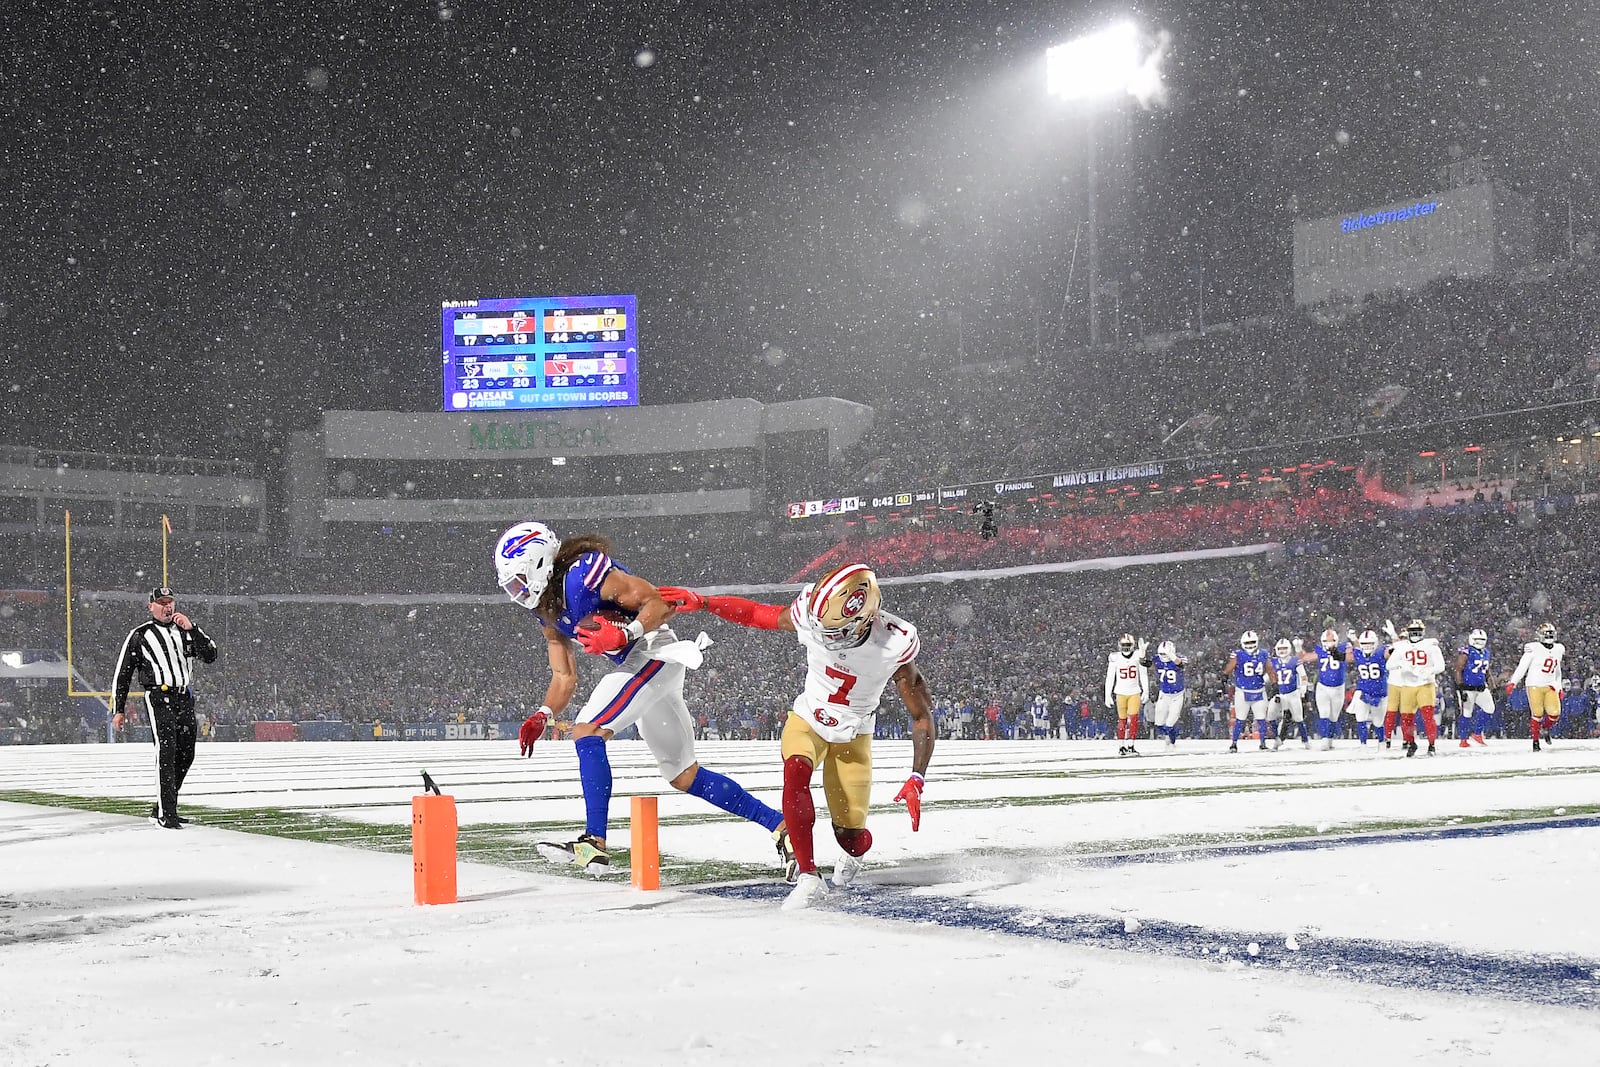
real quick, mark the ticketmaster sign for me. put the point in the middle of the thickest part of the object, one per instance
(1468, 231)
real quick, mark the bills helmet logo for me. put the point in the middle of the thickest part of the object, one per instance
(516, 546)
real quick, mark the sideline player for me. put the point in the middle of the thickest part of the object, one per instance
(1171, 687)
(853, 650)
(1474, 702)
(623, 619)
(1367, 662)
(1330, 685)
(1414, 666)
(1041, 717)
(1248, 665)
(1127, 682)
(1541, 663)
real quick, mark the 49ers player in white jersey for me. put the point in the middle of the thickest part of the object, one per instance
(853, 649)
(1541, 664)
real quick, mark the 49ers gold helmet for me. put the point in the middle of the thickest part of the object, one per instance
(843, 604)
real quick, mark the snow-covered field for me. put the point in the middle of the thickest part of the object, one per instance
(1058, 905)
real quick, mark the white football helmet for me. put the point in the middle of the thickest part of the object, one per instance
(1547, 634)
(1282, 648)
(843, 604)
(1330, 638)
(1125, 644)
(1368, 641)
(523, 560)
(1249, 641)
(1167, 650)
(1478, 639)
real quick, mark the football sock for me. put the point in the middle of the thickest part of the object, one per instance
(799, 813)
(731, 797)
(594, 771)
(1362, 730)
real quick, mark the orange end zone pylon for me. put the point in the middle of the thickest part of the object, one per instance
(645, 857)
(433, 848)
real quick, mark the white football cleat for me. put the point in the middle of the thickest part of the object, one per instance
(845, 871)
(808, 890)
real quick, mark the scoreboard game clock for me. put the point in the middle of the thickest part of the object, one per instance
(539, 353)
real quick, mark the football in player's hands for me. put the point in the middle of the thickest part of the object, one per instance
(602, 632)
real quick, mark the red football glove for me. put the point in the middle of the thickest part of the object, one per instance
(1511, 687)
(533, 729)
(911, 793)
(606, 637)
(682, 599)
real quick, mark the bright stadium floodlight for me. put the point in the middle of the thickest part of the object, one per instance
(1097, 65)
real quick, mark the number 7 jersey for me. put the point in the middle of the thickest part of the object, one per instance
(844, 686)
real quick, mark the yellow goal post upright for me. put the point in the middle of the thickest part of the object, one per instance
(104, 695)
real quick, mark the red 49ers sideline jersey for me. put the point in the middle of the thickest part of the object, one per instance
(844, 686)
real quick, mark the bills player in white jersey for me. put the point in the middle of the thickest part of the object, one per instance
(1541, 665)
(1041, 717)
(853, 650)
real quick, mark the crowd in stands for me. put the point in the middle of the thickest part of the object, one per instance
(1459, 347)
(1471, 556)
(986, 642)
(912, 549)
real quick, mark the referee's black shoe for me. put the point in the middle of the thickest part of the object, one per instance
(153, 817)
(170, 822)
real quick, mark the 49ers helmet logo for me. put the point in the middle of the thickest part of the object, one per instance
(842, 605)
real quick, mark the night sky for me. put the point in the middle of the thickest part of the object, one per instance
(222, 217)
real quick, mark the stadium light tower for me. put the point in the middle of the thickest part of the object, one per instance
(1098, 68)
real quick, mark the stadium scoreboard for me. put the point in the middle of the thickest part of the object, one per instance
(540, 352)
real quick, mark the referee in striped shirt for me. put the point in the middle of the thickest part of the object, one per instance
(161, 653)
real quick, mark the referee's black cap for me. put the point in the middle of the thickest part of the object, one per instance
(162, 592)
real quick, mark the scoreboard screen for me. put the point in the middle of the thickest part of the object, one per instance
(540, 352)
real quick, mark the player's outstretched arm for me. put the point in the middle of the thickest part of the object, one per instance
(736, 609)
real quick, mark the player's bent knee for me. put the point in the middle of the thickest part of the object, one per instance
(854, 841)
